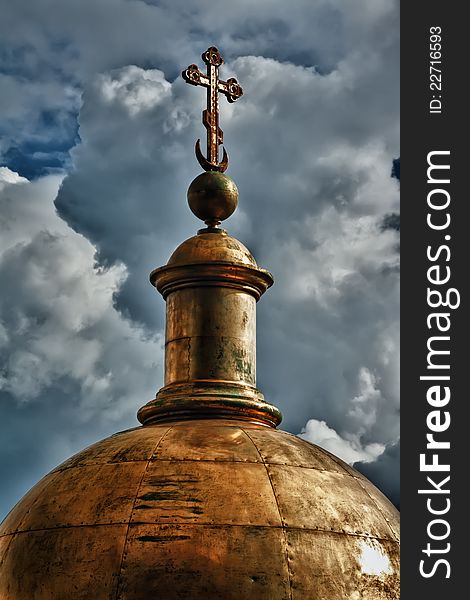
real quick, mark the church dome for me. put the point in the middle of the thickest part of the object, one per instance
(207, 500)
(201, 509)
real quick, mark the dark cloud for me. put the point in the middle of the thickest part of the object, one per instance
(391, 221)
(396, 168)
(385, 472)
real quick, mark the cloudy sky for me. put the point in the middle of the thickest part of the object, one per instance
(97, 132)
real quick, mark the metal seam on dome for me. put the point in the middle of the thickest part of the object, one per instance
(68, 526)
(334, 458)
(366, 536)
(270, 462)
(12, 537)
(284, 535)
(54, 476)
(345, 473)
(132, 510)
(379, 509)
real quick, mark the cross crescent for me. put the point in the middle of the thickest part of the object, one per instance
(210, 117)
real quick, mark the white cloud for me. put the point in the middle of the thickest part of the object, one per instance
(57, 317)
(351, 451)
(135, 88)
(8, 177)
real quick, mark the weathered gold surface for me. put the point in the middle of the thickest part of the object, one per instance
(61, 563)
(201, 509)
(211, 284)
(207, 500)
(203, 399)
(212, 197)
(210, 247)
(210, 334)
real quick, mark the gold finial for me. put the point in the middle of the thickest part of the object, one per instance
(210, 116)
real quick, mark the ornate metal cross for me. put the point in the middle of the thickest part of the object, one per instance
(210, 117)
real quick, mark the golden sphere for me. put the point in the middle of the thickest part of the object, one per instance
(201, 509)
(212, 197)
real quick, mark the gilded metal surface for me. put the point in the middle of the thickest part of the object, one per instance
(207, 500)
(210, 117)
(211, 260)
(211, 274)
(212, 197)
(211, 284)
(201, 509)
(211, 247)
(209, 398)
(210, 334)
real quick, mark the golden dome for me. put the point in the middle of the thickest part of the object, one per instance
(201, 509)
(207, 500)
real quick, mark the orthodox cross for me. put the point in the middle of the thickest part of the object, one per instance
(210, 116)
